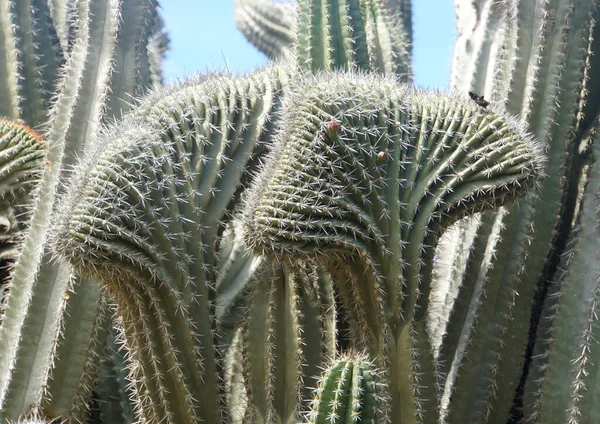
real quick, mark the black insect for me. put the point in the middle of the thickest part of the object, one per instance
(479, 99)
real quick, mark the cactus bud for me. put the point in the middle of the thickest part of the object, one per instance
(333, 129)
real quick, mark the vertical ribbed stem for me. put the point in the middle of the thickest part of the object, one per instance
(542, 77)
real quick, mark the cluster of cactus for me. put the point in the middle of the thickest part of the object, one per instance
(221, 250)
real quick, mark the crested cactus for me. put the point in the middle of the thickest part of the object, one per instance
(371, 171)
(228, 300)
(347, 392)
(22, 155)
(144, 216)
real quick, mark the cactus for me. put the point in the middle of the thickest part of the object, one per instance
(152, 240)
(562, 387)
(348, 392)
(331, 35)
(221, 291)
(23, 155)
(372, 171)
(540, 61)
(351, 34)
(58, 80)
(287, 338)
(267, 25)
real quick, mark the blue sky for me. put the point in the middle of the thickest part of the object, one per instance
(204, 37)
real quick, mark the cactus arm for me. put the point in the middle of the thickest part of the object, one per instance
(9, 65)
(92, 96)
(317, 321)
(544, 76)
(86, 323)
(351, 35)
(9, 235)
(390, 40)
(61, 13)
(38, 60)
(283, 341)
(24, 393)
(268, 25)
(236, 268)
(273, 343)
(114, 393)
(29, 60)
(158, 45)
(347, 393)
(331, 35)
(465, 306)
(451, 254)
(481, 25)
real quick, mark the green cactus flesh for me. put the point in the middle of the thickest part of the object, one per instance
(287, 339)
(346, 394)
(268, 25)
(22, 157)
(371, 171)
(351, 34)
(22, 160)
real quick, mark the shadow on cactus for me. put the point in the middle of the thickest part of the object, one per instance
(366, 173)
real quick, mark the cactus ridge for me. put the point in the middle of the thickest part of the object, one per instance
(22, 157)
(449, 158)
(22, 160)
(287, 339)
(32, 56)
(352, 34)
